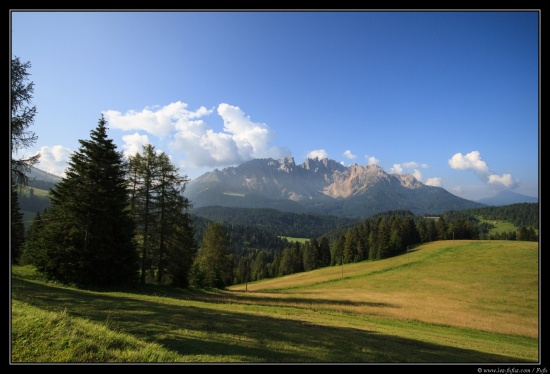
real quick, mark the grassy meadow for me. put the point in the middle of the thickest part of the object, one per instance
(444, 302)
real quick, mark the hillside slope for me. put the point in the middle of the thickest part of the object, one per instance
(485, 285)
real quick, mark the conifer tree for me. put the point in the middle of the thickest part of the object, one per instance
(164, 230)
(212, 266)
(22, 117)
(310, 256)
(17, 228)
(324, 252)
(88, 237)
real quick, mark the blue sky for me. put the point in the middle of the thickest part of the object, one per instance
(449, 97)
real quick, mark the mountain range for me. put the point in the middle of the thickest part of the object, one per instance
(507, 198)
(321, 186)
(317, 186)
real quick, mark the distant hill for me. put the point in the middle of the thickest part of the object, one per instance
(42, 175)
(321, 187)
(507, 198)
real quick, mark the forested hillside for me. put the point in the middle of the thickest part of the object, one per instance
(521, 214)
(296, 225)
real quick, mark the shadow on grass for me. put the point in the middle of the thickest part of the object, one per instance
(194, 331)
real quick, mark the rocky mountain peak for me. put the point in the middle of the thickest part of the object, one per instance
(409, 181)
(324, 165)
(287, 164)
(321, 185)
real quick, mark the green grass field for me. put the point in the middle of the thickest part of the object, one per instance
(499, 226)
(299, 240)
(25, 191)
(444, 302)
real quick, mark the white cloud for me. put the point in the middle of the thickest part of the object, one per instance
(318, 153)
(505, 181)
(158, 121)
(473, 161)
(54, 159)
(417, 174)
(457, 190)
(349, 155)
(372, 160)
(396, 169)
(241, 139)
(409, 165)
(251, 139)
(134, 144)
(435, 182)
(470, 161)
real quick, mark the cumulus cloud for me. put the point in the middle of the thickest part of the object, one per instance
(505, 181)
(396, 169)
(318, 153)
(410, 167)
(187, 133)
(134, 144)
(473, 161)
(54, 159)
(457, 190)
(417, 174)
(372, 160)
(435, 182)
(158, 121)
(349, 155)
(470, 161)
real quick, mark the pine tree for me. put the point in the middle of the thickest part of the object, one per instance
(212, 266)
(33, 250)
(22, 117)
(310, 256)
(166, 236)
(17, 228)
(88, 237)
(324, 252)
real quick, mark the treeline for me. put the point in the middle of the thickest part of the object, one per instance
(520, 214)
(381, 236)
(243, 238)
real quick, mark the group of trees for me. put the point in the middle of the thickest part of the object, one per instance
(114, 222)
(161, 214)
(111, 221)
(86, 237)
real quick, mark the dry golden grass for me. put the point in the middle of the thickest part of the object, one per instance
(484, 285)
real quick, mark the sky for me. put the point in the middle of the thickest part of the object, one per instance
(450, 97)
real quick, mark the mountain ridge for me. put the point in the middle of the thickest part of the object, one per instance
(507, 198)
(320, 186)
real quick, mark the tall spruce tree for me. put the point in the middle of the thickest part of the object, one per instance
(212, 266)
(88, 237)
(32, 249)
(17, 228)
(22, 117)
